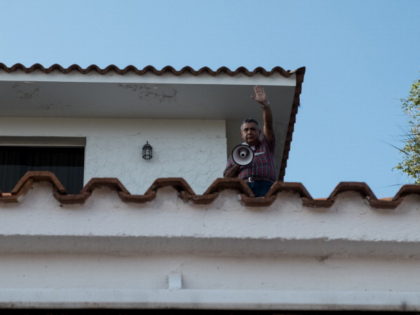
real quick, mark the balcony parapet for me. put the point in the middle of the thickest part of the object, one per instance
(225, 249)
(171, 213)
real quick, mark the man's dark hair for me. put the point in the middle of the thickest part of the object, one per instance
(249, 120)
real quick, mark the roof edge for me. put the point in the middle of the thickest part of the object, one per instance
(148, 69)
(300, 74)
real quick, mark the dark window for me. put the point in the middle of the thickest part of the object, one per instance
(65, 162)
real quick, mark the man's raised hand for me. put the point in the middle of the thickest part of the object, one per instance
(259, 95)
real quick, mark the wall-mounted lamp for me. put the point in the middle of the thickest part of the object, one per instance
(147, 151)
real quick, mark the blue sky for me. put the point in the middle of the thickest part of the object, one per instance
(361, 58)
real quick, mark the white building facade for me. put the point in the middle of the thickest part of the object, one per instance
(166, 232)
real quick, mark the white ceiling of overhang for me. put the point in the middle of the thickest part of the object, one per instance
(132, 100)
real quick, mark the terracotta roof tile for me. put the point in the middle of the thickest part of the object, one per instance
(300, 73)
(148, 69)
(186, 193)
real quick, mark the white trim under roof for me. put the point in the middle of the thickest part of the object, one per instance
(274, 79)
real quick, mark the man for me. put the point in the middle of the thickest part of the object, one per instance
(260, 174)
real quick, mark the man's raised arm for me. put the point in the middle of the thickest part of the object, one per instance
(261, 97)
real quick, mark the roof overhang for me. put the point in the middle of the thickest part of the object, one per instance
(148, 93)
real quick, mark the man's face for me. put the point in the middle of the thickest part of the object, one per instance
(250, 133)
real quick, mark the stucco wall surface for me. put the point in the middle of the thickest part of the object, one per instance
(171, 253)
(105, 214)
(203, 282)
(193, 149)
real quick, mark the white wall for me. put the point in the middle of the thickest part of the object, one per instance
(141, 281)
(192, 149)
(109, 253)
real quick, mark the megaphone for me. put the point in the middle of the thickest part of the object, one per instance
(242, 155)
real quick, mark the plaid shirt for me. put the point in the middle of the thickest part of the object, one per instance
(263, 164)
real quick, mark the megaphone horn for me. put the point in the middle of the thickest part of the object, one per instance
(242, 154)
